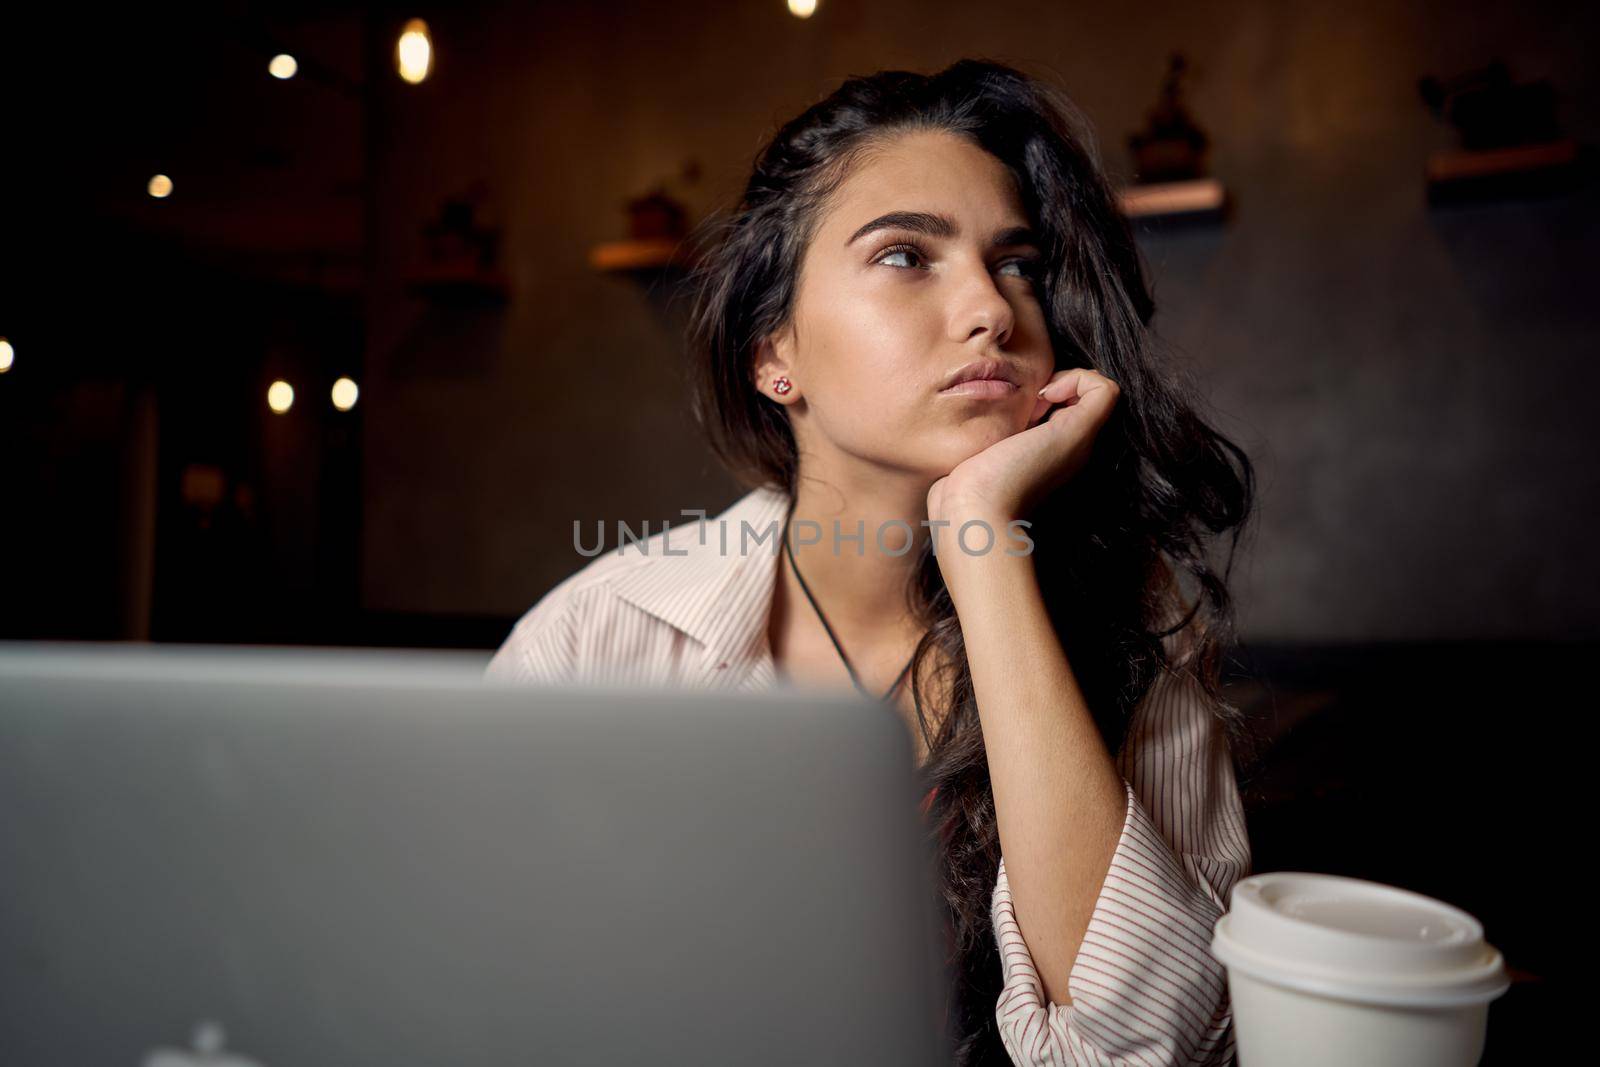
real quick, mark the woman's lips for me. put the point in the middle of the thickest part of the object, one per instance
(981, 387)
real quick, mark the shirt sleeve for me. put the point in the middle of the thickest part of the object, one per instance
(1145, 987)
(542, 647)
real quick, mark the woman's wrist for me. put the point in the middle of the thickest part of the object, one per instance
(977, 548)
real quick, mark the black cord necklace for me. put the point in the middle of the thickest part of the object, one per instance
(856, 681)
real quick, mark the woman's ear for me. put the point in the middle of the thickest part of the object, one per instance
(771, 365)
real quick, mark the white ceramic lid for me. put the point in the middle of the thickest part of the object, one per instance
(1357, 940)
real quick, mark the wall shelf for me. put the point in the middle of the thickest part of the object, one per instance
(654, 254)
(1498, 173)
(1199, 198)
(457, 283)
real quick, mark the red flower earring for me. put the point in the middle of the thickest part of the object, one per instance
(781, 386)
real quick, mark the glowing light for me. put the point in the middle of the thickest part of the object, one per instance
(280, 396)
(803, 9)
(160, 187)
(344, 394)
(8, 355)
(414, 53)
(283, 66)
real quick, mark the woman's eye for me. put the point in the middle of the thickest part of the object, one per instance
(1026, 268)
(899, 250)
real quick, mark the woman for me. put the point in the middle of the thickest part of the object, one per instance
(925, 318)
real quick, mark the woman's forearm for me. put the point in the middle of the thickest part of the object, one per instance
(1059, 799)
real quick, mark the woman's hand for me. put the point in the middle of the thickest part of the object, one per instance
(1006, 480)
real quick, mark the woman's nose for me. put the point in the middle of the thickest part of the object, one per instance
(986, 309)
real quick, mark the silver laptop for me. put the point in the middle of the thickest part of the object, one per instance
(286, 858)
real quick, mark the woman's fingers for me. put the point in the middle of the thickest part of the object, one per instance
(1050, 395)
(1067, 386)
(1041, 407)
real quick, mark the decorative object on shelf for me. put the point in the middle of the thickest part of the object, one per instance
(656, 216)
(1510, 140)
(1169, 158)
(202, 486)
(1171, 148)
(1196, 197)
(658, 229)
(462, 255)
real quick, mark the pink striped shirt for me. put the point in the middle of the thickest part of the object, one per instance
(689, 607)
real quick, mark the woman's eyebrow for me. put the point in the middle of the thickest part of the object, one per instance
(933, 225)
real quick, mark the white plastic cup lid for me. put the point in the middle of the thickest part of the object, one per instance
(1357, 940)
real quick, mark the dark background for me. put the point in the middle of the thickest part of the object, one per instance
(1414, 380)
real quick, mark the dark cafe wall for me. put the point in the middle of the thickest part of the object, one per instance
(1413, 382)
(1413, 379)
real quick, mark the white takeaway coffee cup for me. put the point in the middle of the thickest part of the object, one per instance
(1326, 970)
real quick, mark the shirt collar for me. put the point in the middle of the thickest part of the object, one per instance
(713, 580)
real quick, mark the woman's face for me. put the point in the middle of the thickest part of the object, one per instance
(889, 310)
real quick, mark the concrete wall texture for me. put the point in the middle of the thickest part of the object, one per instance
(1414, 384)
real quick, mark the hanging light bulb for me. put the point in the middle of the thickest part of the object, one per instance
(344, 394)
(803, 9)
(280, 396)
(8, 355)
(414, 52)
(159, 187)
(283, 66)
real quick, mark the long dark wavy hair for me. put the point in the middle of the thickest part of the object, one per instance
(1116, 549)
